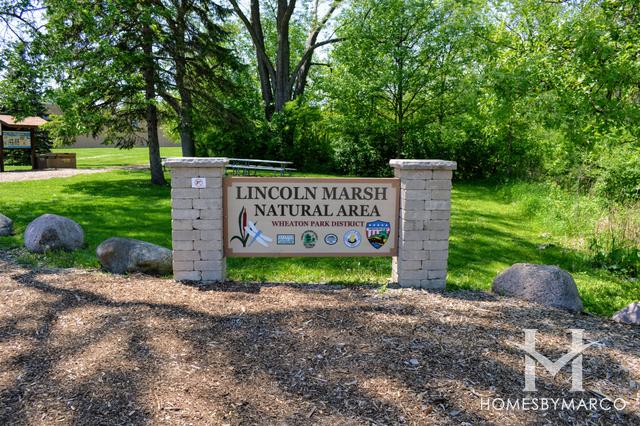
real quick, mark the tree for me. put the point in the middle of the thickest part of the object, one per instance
(18, 20)
(395, 80)
(21, 74)
(150, 92)
(21, 86)
(106, 70)
(191, 58)
(281, 79)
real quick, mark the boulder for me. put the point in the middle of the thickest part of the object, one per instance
(126, 255)
(51, 232)
(629, 314)
(544, 284)
(6, 226)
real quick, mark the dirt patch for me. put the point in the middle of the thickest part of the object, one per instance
(22, 175)
(83, 347)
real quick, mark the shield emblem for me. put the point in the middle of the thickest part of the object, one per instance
(378, 233)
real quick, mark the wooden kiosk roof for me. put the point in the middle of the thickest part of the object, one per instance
(32, 122)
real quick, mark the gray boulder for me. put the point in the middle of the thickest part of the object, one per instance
(544, 284)
(126, 255)
(629, 314)
(51, 232)
(6, 226)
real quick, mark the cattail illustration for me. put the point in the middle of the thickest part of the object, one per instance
(242, 224)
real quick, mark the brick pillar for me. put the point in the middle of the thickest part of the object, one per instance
(425, 207)
(196, 214)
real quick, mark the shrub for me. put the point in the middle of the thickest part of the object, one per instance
(618, 176)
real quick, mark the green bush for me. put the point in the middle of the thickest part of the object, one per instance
(302, 137)
(618, 174)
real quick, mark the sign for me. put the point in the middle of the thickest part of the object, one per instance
(310, 217)
(16, 139)
(199, 183)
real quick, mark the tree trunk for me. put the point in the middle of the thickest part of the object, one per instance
(186, 133)
(283, 93)
(441, 108)
(262, 60)
(155, 164)
(400, 107)
(185, 105)
(277, 83)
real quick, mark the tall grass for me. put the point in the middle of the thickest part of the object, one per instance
(615, 242)
(607, 233)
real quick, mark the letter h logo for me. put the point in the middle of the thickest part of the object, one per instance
(574, 356)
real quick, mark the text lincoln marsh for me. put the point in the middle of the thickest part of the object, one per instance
(294, 201)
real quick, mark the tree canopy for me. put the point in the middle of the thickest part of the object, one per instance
(507, 88)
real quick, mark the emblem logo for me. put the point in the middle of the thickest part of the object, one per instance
(309, 239)
(378, 233)
(330, 239)
(285, 239)
(352, 238)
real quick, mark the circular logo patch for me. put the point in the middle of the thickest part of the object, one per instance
(309, 239)
(330, 239)
(352, 238)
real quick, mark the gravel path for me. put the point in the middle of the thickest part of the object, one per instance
(84, 347)
(20, 175)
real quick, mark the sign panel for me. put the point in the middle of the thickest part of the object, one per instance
(310, 217)
(16, 139)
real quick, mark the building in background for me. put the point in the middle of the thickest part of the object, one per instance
(87, 141)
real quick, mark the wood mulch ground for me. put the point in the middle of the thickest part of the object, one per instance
(84, 347)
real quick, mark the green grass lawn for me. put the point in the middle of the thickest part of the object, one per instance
(92, 158)
(490, 231)
(110, 156)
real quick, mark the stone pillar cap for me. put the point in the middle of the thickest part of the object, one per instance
(175, 162)
(423, 164)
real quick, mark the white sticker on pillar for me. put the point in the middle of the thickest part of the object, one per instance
(199, 183)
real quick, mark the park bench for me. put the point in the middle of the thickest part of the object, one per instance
(251, 167)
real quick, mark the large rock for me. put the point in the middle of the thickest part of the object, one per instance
(51, 232)
(629, 314)
(126, 255)
(6, 226)
(544, 284)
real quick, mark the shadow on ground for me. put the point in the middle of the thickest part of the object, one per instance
(89, 348)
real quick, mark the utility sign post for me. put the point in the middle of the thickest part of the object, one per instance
(310, 217)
